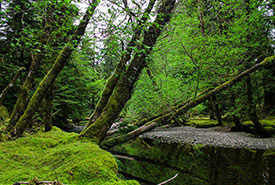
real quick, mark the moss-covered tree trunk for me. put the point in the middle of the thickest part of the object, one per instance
(124, 88)
(50, 77)
(183, 109)
(121, 67)
(22, 100)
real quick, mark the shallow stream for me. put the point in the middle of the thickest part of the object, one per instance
(154, 162)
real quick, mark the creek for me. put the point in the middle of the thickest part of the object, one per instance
(152, 161)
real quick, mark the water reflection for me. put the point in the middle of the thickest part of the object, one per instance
(201, 165)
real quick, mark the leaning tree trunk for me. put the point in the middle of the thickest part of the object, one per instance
(50, 77)
(113, 79)
(5, 90)
(124, 88)
(22, 100)
(183, 109)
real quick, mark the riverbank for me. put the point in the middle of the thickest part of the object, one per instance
(213, 136)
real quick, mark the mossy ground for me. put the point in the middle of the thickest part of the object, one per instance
(201, 122)
(57, 155)
(267, 122)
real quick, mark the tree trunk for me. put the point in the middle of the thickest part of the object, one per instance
(50, 77)
(49, 108)
(124, 88)
(113, 79)
(236, 120)
(216, 110)
(201, 18)
(252, 108)
(4, 92)
(183, 109)
(22, 100)
(269, 92)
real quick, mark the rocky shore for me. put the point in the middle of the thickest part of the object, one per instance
(214, 136)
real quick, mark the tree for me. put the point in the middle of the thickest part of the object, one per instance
(47, 42)
(123, 89)
(269, 61)
(50, 77)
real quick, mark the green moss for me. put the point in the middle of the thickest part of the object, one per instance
(202, 123)
(4, 119)
(267, 122)
(57, 155)
(4, 114)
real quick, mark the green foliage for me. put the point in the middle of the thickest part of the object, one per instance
(78, 86)
(76, 89)
(57, 155)
(187, 59)
(31, 28)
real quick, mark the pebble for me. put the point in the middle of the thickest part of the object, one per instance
(210, 137)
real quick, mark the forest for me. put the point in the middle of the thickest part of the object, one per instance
(118, 69)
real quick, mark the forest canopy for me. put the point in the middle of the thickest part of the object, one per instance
(133, 62)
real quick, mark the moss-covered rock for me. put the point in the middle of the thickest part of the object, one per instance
(202, 122)
(57, 155)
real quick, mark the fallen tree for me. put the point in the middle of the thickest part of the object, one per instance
(162, 119)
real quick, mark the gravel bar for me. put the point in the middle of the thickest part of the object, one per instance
(213, 136)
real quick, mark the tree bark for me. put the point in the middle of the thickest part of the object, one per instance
(113, 79)
(22, 100)
(269, 92)
(4, 92)
(49, 108)
(50, 77)
(183, 109)
(201, 18)
(216, 109)
(124, 88)
(236, 120)
(252, 108)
